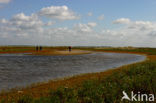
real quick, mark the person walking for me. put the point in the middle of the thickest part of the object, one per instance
(40, 48)
(69, 48)
(36, 48)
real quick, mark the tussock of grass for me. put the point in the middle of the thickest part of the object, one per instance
(137, 77)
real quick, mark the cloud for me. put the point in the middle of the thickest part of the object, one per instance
(24, 29)
(21, 25)
(49, 23)
(3, 21)
(31, 30)
(92, 24)
(101, 17)
(5, 1)
(85, 27)
(136, 33)
(122, 21)
(90, 14)
(142, 25)
(58, 12)
(25, 22)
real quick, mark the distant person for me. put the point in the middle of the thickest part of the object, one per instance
(37, 48)
(40, 48)
(70, 48)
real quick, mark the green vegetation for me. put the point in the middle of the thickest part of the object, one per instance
(137, 77)
(149, 51)
(14, 49)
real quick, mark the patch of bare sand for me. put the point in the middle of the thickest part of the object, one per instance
(62, 52)
(73, 52)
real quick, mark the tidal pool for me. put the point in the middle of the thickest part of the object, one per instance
(22, 70)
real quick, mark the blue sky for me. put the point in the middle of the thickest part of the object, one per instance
(138, 12)
(135, 9)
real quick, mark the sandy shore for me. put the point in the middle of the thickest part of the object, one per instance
(50, 52)
(61, 52)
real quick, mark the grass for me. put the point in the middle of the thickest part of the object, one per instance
(103, 87)
(149, 51)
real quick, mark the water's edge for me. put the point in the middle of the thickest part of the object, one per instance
(22, 71)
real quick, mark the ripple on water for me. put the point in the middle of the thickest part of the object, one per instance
(22, 70)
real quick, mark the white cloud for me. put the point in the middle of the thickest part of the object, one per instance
(142, 25)
(136, 33)
(122, 21)
(25, 22)
(90, 14)
(85, 27)
(24, 30)
(5, 1)
(21, 25)
(30, 30)
(101, 17)
(58, 12)
(49, 23)
(92, 24)
(3, 21)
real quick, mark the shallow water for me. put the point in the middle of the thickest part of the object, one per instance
(22, 70)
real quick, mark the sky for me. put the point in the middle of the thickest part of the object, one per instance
(78, 22)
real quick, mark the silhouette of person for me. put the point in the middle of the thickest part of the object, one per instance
(70, 48)
(37, 48)
(40, 48)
